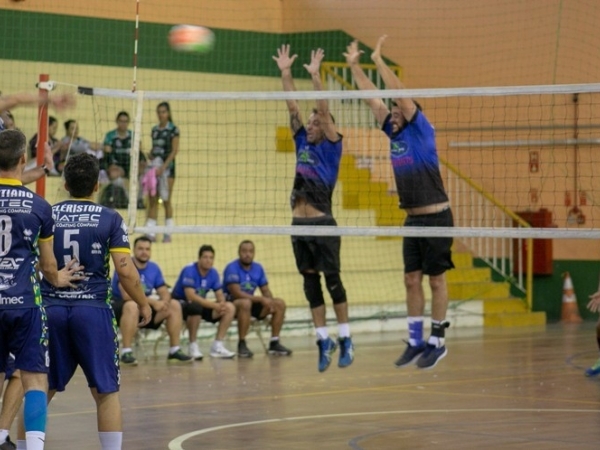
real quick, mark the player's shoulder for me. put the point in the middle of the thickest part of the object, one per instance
(111, 134)
(232, 265)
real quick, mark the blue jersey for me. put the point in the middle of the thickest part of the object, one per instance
(415, 162)
(151, 278)
(317, 167)
(89, 233)
(191, 277)
(25, 220)
(248, 279)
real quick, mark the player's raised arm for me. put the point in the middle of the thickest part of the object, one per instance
(58, 101)
(284, 62)
(407, 106)
(352, 54)
(314, 69)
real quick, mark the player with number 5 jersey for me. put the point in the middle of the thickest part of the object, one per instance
(26, 229)
(81, 320)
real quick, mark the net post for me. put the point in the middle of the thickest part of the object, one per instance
(135, 161)
(529, 288)
(40, 184)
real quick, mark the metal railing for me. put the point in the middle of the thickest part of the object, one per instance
(473, 207)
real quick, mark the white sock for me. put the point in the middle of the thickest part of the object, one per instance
(322, 333)
(173, 349)
(151, 223)
(344, 330)
(3, 434)
(35, 440)
(21, 445)
(170, 222)
(126, 350)
(217, 343)
(111, 440)
(274, 338)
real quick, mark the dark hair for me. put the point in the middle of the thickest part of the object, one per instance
(122, 113)
(51, 120)
(81, 175)
(245, 241)
(68, 124)
(205, 248)
(316, 111)
(143, 238)
(168, 107)
(12, 148)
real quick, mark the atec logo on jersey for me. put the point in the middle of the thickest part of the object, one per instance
(11, 300)
(96, 248)
(27, 233)
(10, 263)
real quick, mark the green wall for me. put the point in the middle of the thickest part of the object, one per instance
(547, 289)
(82, 40)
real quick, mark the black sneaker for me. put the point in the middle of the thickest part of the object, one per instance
(275, 348)
(410, 354)
(179, 357)
(244, 351)
(128, 359)
(431, 356)
(8, 444)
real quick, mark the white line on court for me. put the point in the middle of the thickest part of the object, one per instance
(176, 444)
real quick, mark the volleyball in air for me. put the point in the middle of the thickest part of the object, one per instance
(191, 38)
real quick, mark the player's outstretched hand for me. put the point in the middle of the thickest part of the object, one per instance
(61, 101)
(352, 53)
(145, 315)
(283, 59)
(316, 56)
(376, 55)
(594, 303)
(72, 272)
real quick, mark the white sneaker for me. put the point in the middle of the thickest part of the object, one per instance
(195, 352)
(219, 351)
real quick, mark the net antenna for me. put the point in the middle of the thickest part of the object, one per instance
(135, 45)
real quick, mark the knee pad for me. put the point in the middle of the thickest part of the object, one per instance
(335, 288)
(312, 290)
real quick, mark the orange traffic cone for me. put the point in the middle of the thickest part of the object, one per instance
(570, 311)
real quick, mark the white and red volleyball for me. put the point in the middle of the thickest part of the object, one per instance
(191, 38)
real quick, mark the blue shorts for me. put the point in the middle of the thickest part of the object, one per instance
(24, 333)
(10, 367)
(84, 336)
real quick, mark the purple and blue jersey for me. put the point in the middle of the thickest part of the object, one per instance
(89, 233)
(25, 220)
(414, 159)
(248, 279)
(317, 167)
(151, 278)
(190, 277)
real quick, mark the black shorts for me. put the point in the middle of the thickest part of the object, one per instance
(318, 253)
(431, 255)
(117, 306)
(195, 309)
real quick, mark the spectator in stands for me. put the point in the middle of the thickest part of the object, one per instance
(163, 308)
(73, 144)
(117, 154)
(196, 280)
(240, 279)
(55, 144)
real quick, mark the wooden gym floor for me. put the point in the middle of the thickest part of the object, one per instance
(496, 389)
